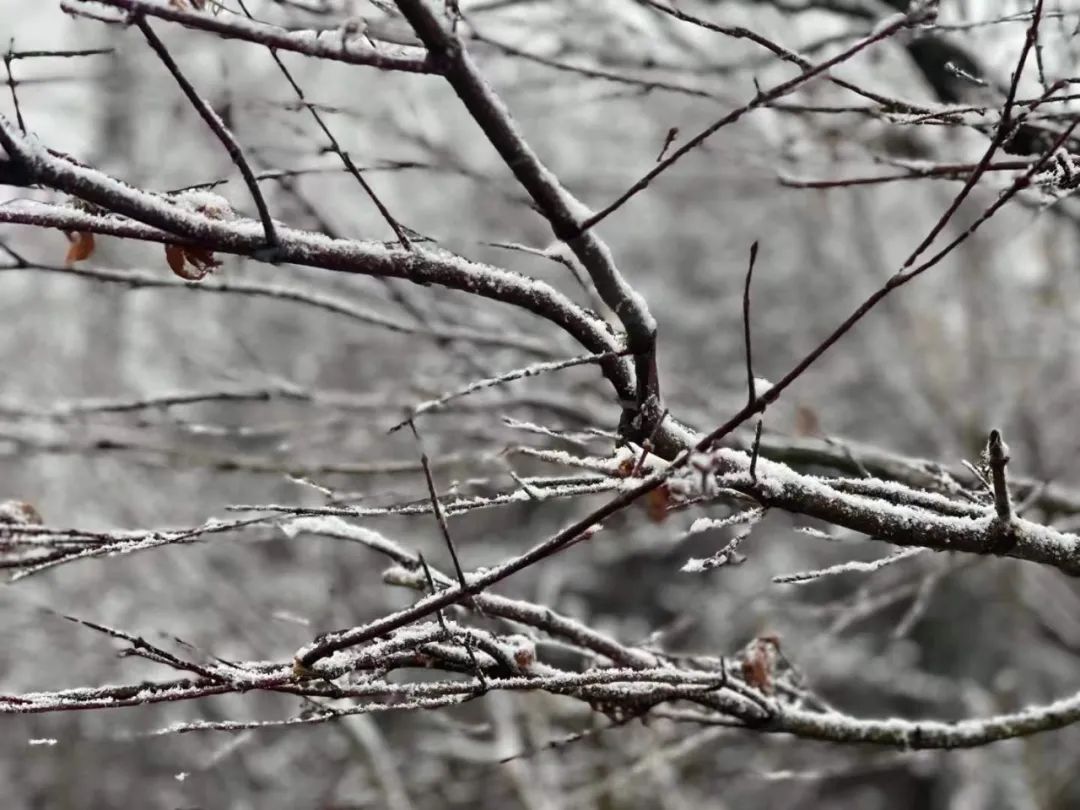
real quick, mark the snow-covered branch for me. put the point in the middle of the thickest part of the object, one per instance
(175, 220)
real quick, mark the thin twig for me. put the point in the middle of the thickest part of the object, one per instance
(346, 159)
(997, 457)
(760, 99)
(329, 45)
(217, 126)
(516, 374)
(8, 58)
(1003, 131)
(750, 382)
(755, 449)
(563, 212)
(648, 444)
(437, 508)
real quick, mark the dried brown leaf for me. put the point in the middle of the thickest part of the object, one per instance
(202, 258)
(190, 263)
(174, 255)
(81, 247)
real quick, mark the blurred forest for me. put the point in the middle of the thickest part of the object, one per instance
(135, 401)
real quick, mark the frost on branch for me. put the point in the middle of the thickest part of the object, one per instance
(508, 585)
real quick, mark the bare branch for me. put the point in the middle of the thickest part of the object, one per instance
(761, 99)
(516, 374)
(750, 381)
(296, 247)
(566, 215)
(346, 160)
(217, 126)
(335, 45)
(997, 457)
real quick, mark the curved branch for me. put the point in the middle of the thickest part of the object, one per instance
(336, 45)
(161, 220)
(216, 125)
(924, 734)
(563, 212)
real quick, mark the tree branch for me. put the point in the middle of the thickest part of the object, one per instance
(169, 220)
(217, 126)
(334, 45)
(565, 214)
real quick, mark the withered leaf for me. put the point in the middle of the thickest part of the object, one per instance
(202, 258)
(81, 247)
(174, 255)
(190, 263)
